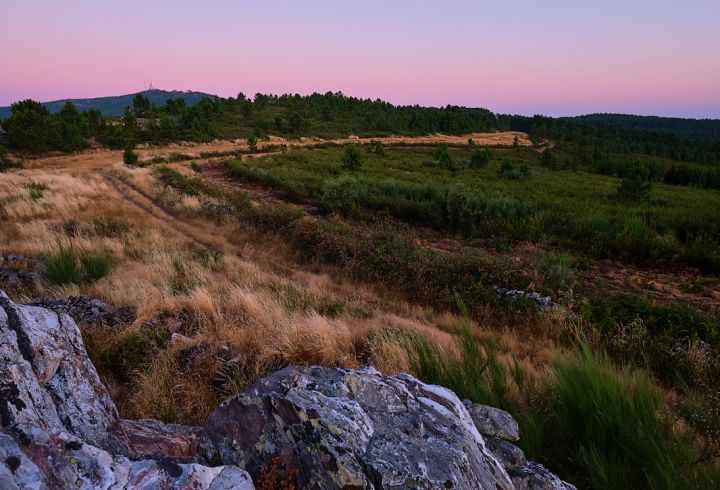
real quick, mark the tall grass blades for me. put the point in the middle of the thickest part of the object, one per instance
(605, 427)
(66, 264)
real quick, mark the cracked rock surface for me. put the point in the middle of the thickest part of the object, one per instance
(60, 429)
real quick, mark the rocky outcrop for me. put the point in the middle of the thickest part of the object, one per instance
(542, 302)
(359, 429)
(88, 311)
(60, 429)
(302, 427)
(338, 428)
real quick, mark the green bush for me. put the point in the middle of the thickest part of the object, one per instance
(66, 264)
(341, 195)
(556, 269)
(129, 156)
(4, 161)
(189, 185)
(637, 182)
(477, 374)
(132, 352)
(549, 160)
(441, 154)
(480, 158)
(94, 266)
(508, 171)
(36, 190)
(352, 157)
(377, 147)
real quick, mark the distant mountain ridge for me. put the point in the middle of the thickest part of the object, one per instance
(115, 105)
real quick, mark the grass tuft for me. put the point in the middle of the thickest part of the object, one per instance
(66, 264)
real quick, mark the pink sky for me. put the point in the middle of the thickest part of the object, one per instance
(554, 57)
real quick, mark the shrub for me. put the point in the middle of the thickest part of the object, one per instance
(340, 195)
(377, 147)
(556, 268)
(129, 155)
(94, 266)
(66, 264)
(352, 157)
(441, 153)
(637, 182)
(477, 374)
(508, 171)
(4, 162)
(36, 190)
(548, 159)
(252, 142)
(132, 352)
(480, 158)
(189, 185)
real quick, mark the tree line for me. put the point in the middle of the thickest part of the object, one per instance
(601, 148)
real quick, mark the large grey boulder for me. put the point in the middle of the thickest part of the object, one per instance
(338, 428)
(60, 429)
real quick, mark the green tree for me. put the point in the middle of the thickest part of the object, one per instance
(508, 171)
(247, 108)
(352, 157)
(72, 128)
(637, 182)
(129, 156)
(377, 147)
(279, 123)
(141, 105)
(168, 128)
(441, 153)
(548, 159)
(131, 129)
(30, 127)
(252, 142)
(295, 122)
(480, 157)
(4, 160)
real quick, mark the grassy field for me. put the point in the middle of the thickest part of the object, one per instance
(583, 212)
(392, 264)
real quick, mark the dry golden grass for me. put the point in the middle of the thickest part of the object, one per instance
(236, 314)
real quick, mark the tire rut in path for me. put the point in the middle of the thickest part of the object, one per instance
(138, 199)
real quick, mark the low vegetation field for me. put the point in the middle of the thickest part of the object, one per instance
(239, 259)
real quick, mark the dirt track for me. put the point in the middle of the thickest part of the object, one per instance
(97, 158)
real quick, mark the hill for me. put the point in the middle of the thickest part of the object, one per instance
(115, 105)
(685, 128)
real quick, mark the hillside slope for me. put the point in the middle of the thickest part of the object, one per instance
(685, 128)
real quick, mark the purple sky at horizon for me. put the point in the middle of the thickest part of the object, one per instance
(559, 57)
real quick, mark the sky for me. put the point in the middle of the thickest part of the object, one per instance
(554, 57)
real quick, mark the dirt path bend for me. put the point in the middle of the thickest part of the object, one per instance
(145, 204)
